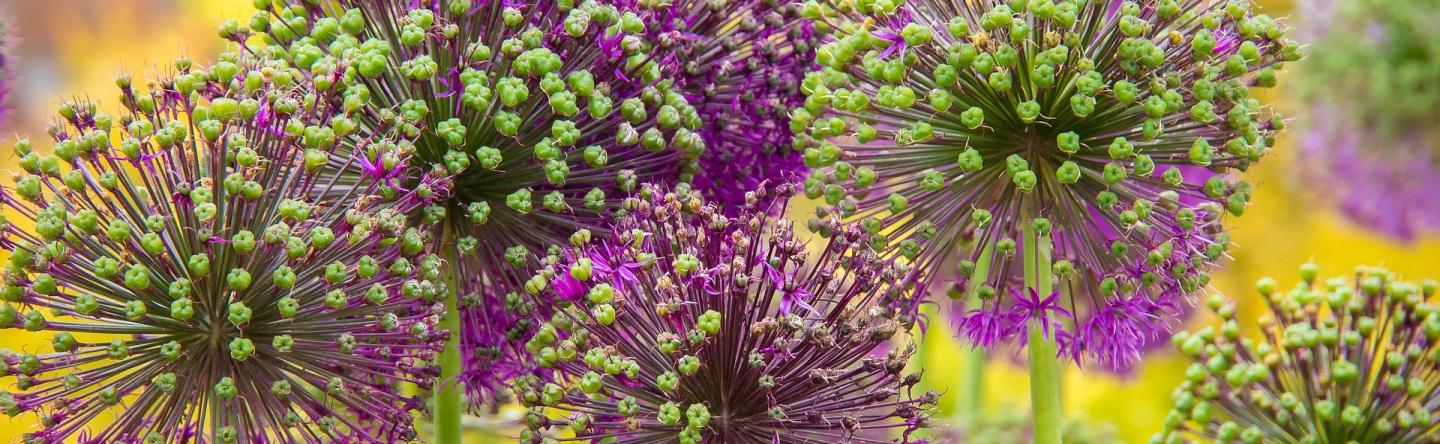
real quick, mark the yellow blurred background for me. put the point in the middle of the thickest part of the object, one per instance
(73, 48)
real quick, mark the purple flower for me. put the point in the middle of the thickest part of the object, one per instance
(1371, 113)
(196, 289)
(533, 118)
(7, 67)
(792, 293)
(740, 65)
(1030, 307)
(1110, 127)
(1117, 333)
(668, 360)
(612, 266)
(988, 327)
(1349, 357)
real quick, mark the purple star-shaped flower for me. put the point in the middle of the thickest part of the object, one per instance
(1029, 305)
(792, 297)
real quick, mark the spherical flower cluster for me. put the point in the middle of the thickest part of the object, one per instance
(1372, 111)
(1342, 361)
(689, 326)
(1111, 125)
(740, 65)
(537, 117)
(195, 289)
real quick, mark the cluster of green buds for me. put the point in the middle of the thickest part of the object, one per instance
(194, 283)
(492, 98)
(1341, 361)
(687, 326)
(1112, 124)
(532, 119)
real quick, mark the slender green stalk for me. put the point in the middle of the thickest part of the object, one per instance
(448, 405)
(974, 384)
(973, 378)
(1044, 363)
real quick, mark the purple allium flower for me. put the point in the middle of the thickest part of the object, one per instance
(537, 117)
(1372, 114)
(741, 65)
(1341, 361)
(7, 66)
(1110, 127)
(703, 348)
(195, 290)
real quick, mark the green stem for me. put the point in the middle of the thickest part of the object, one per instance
(973, 378)
(448, 405)
(974, 384)
(1044, 362)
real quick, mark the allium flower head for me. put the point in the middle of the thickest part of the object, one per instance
(195, 289)
(538, 116)
(1109, 124)
(723, 330)
(1373, 111)
(741, 63)
(1342, 361)
(7, 67)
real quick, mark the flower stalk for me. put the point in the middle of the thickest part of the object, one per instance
(1044, 359)
(973, 379)
(449, 408)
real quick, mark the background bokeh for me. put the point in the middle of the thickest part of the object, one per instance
(75, 48)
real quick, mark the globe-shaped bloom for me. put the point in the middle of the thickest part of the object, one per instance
(1342, 360)
(1372, 112)
(536, 117)
(194, 289)
(1111, 125)
(689, 326)
(741, 64)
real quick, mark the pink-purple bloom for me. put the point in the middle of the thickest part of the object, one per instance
(740, 63)
(730, 331)
(7, 67)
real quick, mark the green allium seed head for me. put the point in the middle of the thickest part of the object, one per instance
(532, 119)
(1340, 360)
(175, 253)
(1118, 123)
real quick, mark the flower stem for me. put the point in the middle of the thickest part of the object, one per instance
(448, 406)
(973, 382)
(1044, 361)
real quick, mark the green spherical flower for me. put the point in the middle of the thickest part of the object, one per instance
(175, 260)
(1109, 127)
(533, 117)
(1342, 360)
(706, 328)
